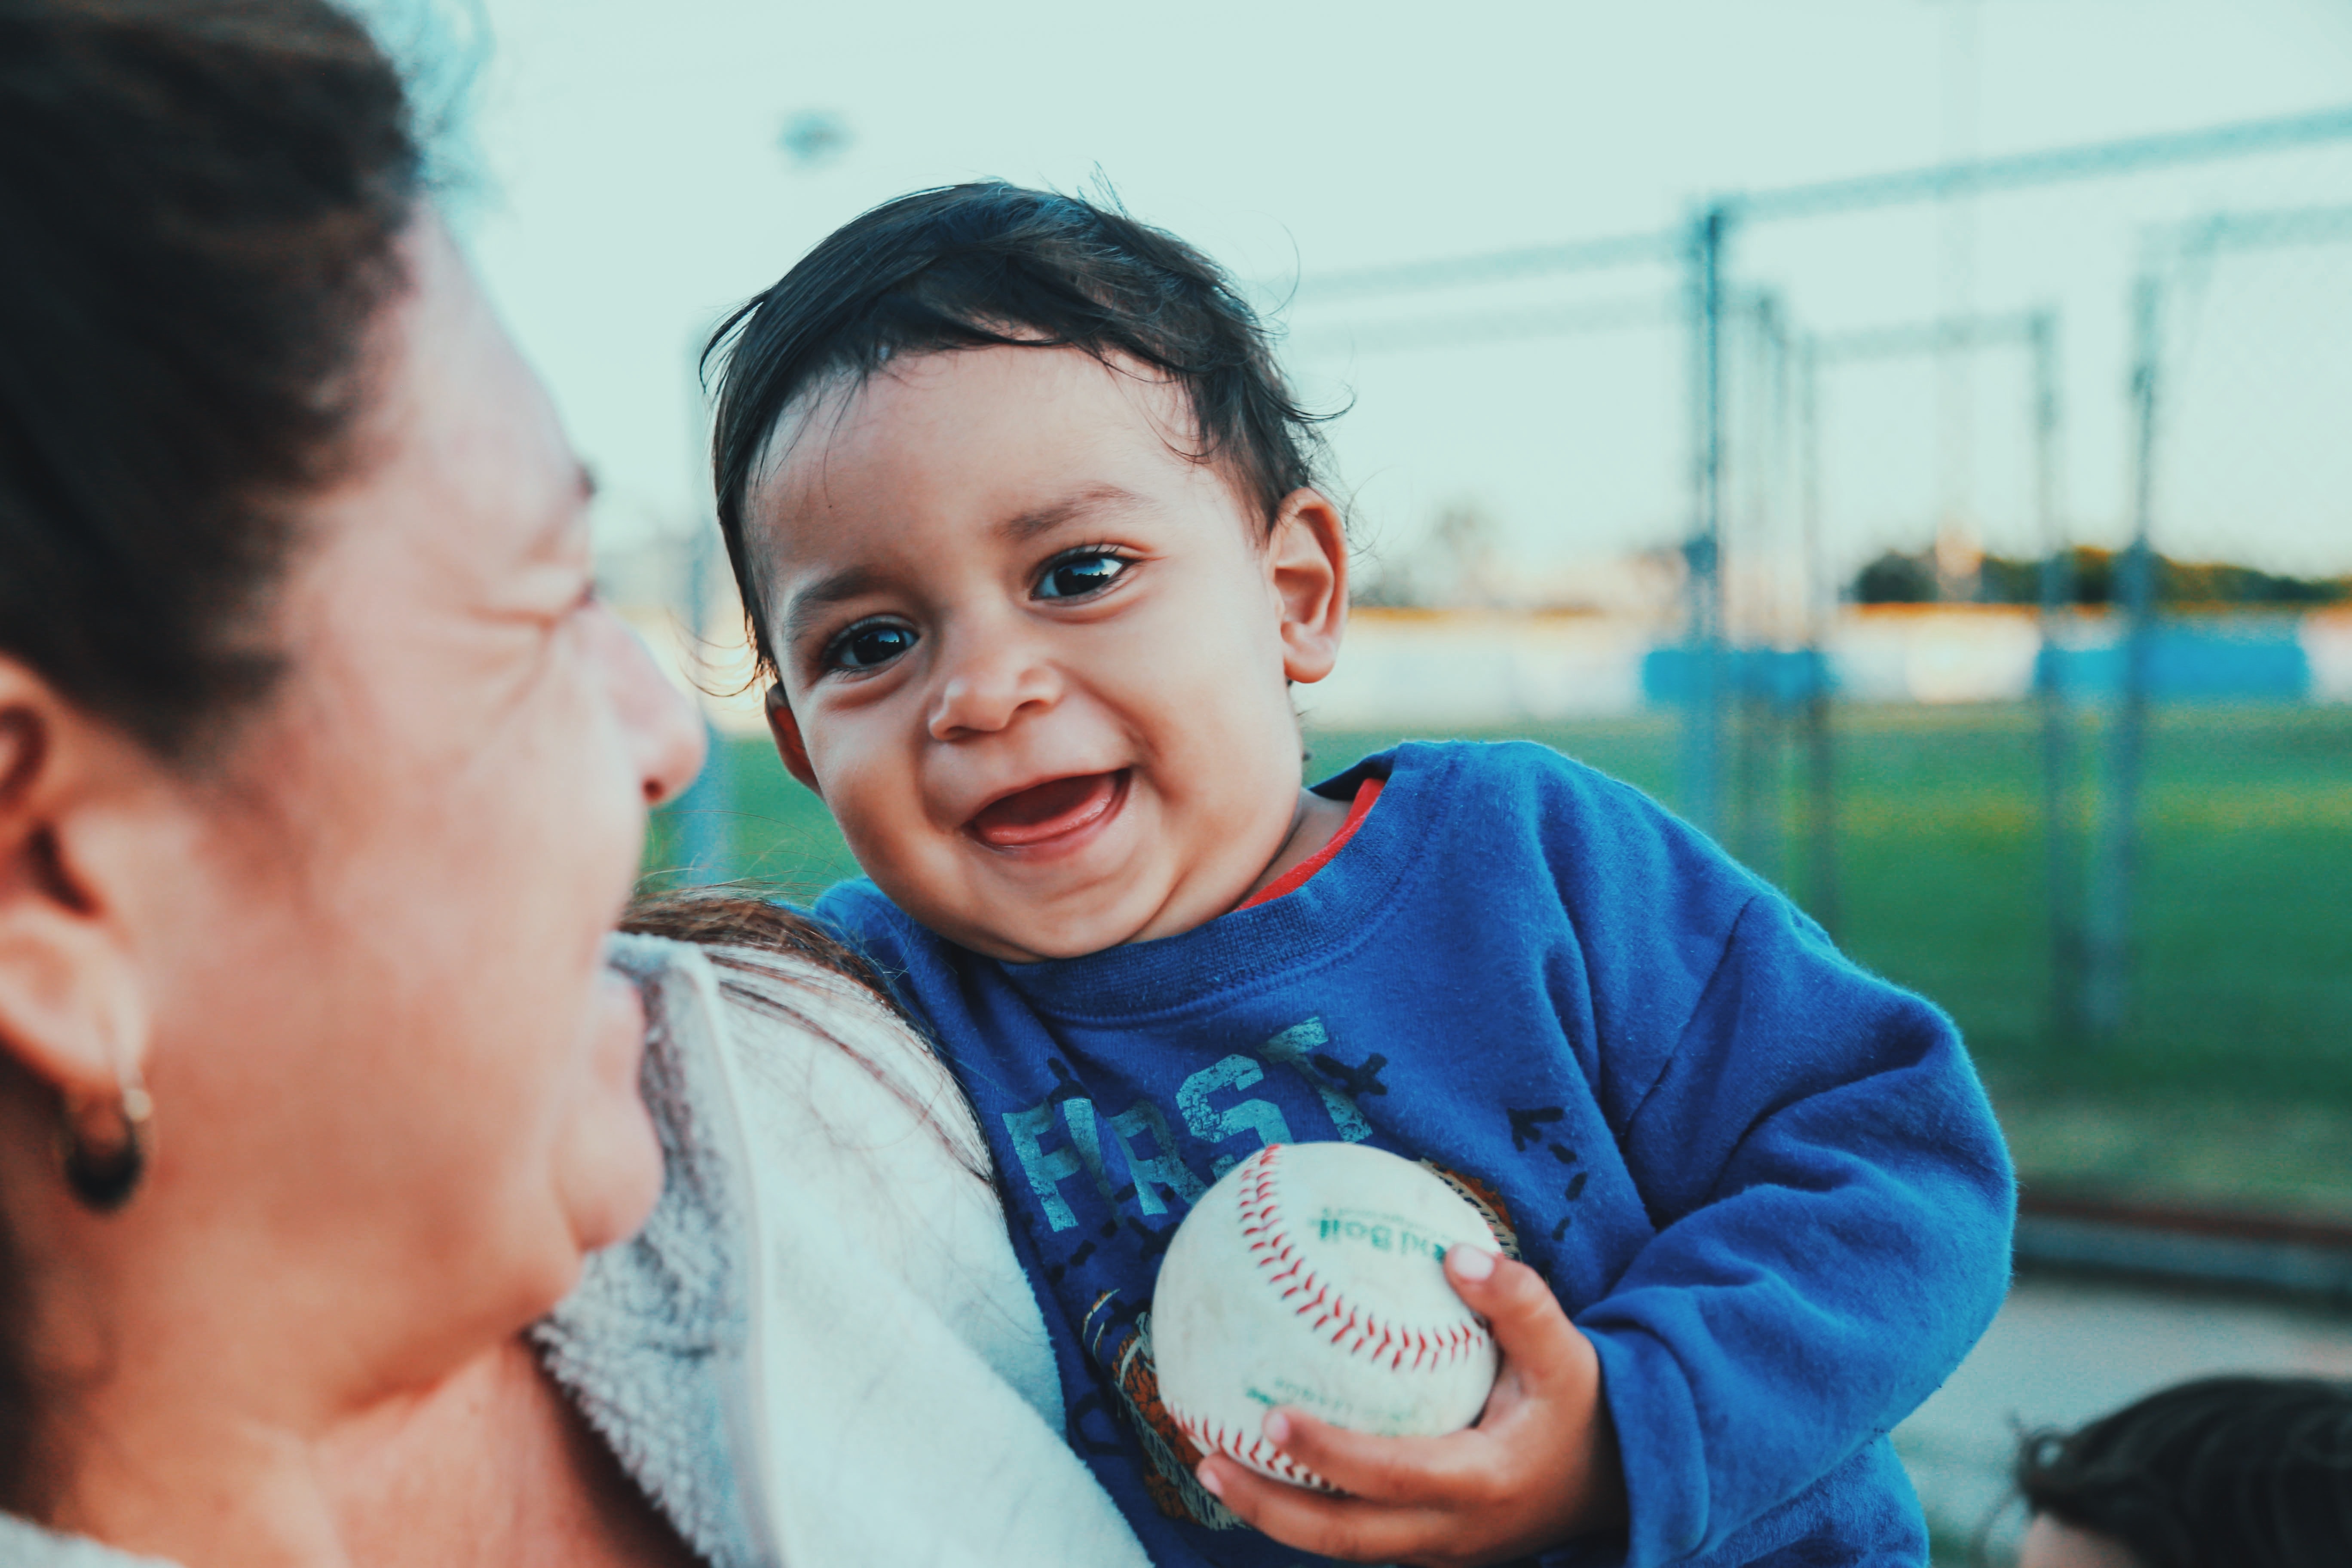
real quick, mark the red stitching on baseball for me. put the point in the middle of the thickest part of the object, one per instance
(1215, 1438)
(1269, 1241)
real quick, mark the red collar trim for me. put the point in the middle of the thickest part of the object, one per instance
(1290, 881)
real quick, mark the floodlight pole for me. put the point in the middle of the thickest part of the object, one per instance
(2107, 934)
(1703, 552)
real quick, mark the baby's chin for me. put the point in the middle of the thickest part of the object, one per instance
(608, 1166)
(1013, 931)
(1020, 931)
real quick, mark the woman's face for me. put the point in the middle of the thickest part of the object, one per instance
(382, 1044)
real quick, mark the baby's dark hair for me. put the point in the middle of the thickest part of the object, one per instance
(2248, 1471)
(989, 265)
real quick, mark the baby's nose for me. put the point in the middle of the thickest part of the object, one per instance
(984, 691)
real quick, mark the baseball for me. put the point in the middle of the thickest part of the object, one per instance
(1310, 1275)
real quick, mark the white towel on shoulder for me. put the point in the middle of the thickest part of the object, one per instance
(877, 1387)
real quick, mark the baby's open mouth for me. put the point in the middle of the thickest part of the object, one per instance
(1048, 811)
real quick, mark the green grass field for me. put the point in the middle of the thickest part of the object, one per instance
(2233, 1082)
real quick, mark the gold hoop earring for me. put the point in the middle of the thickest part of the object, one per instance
(105, 1173)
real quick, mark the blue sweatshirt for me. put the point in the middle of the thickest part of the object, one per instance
(1764, 1182)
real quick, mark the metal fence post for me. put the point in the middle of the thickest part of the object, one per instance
(1703, 554)
(2063, 854)
(1820, 599)
(2106, 991)
(1755, 820)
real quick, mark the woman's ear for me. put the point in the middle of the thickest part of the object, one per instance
(786, 728)
(72, 1010)
(1307, 562)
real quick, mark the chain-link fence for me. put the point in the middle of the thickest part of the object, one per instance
(1884, 436)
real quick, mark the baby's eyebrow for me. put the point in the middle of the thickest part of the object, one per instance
(1023, 527)
(828, 590)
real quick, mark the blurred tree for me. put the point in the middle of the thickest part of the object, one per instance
(1896, 578)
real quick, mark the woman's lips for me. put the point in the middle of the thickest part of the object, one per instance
(1043, 813)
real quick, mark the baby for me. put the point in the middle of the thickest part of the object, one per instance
(1029, 529)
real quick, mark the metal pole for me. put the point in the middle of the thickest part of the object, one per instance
(1821, 752)
(701, 817)
(1894, 187)
(1752, 736)
(1956, 551)
(703, 813)
(2107, 989)
(1785, 631)
(1703, 721)
(2063, 867)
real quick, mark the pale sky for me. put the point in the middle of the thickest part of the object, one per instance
(637, 190)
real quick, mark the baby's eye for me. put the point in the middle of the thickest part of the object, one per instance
(1075, 576)
(867, 645)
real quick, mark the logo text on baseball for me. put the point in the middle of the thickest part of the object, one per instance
(1381, 1232)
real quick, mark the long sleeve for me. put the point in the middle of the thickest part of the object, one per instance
(1834, 1206)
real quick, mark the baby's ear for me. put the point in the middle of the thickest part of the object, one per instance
(786, 728)
(1306, 564)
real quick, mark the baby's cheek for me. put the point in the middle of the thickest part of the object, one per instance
(881, 811)
(894, 839)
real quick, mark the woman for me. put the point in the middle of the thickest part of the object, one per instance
(322, 777)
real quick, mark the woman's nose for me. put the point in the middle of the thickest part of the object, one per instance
(666, 736)
(986, 683)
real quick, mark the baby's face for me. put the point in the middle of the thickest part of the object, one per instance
(1035, 659)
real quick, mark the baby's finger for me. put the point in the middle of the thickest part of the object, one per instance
(1530, 1324)
(1455, 1471)
(1349, 1529)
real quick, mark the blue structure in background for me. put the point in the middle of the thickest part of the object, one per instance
(1786, 675)
(2189, 662)
(2245, 661)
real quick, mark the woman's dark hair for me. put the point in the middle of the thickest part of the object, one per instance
(200, 206)
(988, 264)
(2228, 1472)
(200, 202)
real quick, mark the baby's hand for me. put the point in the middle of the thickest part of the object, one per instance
(1538, 1469)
